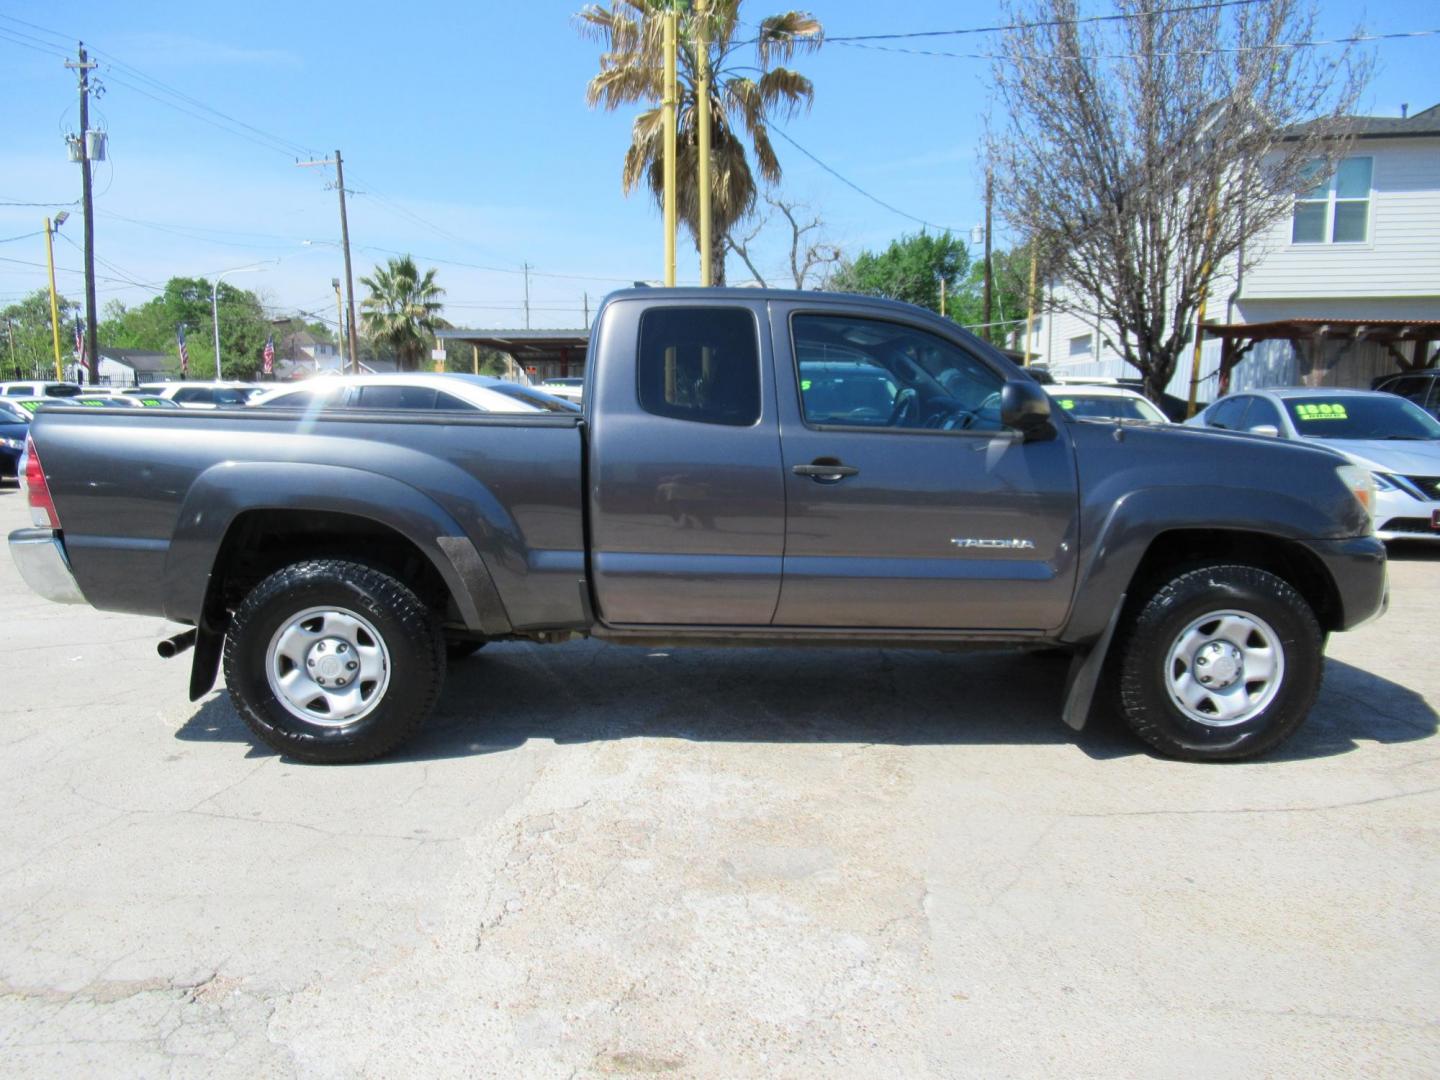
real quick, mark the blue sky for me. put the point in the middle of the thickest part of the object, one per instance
(468, 141)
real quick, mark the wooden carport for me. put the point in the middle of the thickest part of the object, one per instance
(1309, 337)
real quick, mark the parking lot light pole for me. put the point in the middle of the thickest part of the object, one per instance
(215, 307)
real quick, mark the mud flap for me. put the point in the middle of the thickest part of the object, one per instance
(1084, 674)
(206, 664)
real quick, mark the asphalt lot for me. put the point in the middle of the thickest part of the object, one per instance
(602, 862)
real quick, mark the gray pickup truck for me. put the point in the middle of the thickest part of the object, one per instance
(750, 468)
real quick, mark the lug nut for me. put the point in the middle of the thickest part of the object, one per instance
(321, 680)
(1202, 661)
(311, 661)
(351, 665)
(341, 647)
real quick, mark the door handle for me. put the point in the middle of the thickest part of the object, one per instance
(825, 471)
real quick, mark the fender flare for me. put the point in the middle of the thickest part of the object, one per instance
(224, 491)
(1136, 519)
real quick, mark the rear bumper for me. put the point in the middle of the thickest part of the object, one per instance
(1357, 567)
(40, 557)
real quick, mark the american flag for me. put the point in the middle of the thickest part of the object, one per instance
(269, 354)
(79, 341)
(184, 351)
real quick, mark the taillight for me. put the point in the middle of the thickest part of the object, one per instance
(37, 491)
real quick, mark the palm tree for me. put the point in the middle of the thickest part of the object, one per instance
(632, 69)
(402, 310)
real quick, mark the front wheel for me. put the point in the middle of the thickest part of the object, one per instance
(332, 662)
(1221, 662)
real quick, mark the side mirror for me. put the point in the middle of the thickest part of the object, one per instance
(1025, 406)
(1265, 429)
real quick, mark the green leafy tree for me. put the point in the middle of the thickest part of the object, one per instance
(402, 311)
(186, 301)
(910, 269)
(632, 70)
(28, 351)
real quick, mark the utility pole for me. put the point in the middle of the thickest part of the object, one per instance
(92, 347)
(339, 164)
(527, 294)
(942, 296)
(10, 337)
(669, 105)
(989, 273)
(587, 309)
(1030, 309)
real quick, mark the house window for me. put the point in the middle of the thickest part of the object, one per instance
(1080, 346)
(1336, 210)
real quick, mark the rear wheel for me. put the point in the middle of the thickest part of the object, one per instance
(1221, 662)
(330, 661)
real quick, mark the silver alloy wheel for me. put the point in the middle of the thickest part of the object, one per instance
(1224, 668)
(328, 666)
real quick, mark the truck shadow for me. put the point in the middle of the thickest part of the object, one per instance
(511, 693)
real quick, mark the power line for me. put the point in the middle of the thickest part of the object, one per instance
(851, 184)
(1001, 28)
(23, 236)
(1358, 39)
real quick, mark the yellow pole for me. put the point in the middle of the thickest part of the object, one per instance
(702, 133)
(340, 331)
(942, 297)
(668, 103)
(475, 358)
(1030, 309)
(54, 306)
(1190, 409)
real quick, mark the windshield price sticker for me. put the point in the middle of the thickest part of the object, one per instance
(1067, 403)
(1323, 411)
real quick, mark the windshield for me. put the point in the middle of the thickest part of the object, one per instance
(11, 414)
(1351, 416)
(1104, 407)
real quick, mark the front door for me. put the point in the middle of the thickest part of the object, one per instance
(909, 505)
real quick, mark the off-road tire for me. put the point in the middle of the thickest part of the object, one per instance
(1142, 649)
(411, 635)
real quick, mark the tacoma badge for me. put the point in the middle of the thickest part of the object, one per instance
(992, 545)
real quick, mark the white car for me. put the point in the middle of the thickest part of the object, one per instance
(190, 394)
(1395, 439)
(415, 391)
(569, 389)
(43, 388)
(1100, 402)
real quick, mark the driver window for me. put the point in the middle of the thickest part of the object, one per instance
(867, 373)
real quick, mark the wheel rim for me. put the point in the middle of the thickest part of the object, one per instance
(328, 666)
(1225, 668)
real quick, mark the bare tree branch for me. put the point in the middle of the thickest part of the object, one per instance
(1141, 155)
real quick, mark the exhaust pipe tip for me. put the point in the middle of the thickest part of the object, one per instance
(174, 646)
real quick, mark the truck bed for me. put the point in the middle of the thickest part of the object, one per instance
(146, 498)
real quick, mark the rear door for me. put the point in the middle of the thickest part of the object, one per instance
(909, 505)
(687, 507)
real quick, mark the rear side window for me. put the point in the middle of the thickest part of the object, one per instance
(203, 395)
(396, 397)
(700, 364)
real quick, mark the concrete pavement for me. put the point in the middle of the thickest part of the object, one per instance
(600, 861)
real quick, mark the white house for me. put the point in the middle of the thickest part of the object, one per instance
(1356, 264)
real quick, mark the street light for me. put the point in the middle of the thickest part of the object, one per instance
(50, 228)
(215, 304)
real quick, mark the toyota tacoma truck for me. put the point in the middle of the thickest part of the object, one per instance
(751, 467)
